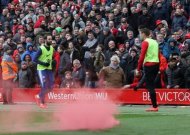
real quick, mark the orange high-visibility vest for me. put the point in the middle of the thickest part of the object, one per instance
(9, 67)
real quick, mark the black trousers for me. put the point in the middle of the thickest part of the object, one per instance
(150, 76)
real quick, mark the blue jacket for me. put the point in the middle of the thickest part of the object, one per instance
(162, 45)
(168, 49)
(31, 53)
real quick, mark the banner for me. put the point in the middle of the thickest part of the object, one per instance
(126, 96)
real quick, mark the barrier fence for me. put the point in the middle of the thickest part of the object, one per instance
(126, 96)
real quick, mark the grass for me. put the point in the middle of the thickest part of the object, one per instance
(134, 121)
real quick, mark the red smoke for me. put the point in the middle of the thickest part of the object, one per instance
(83, 113)
(87, 114)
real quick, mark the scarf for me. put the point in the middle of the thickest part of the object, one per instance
(114, 66)
(90, 43)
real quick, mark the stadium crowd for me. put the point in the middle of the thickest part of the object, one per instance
(96, 43)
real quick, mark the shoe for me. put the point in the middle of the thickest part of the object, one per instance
(37, 99)
(43, 106)
(152, 109)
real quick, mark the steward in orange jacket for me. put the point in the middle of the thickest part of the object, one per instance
(9, 73)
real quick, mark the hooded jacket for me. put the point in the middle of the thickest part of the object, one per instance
(168, 49)
(31, 53)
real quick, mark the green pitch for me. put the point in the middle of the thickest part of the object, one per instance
(134, 121)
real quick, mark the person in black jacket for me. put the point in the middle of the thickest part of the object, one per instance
(65, 62)
(110, 52)
(106, 38)
(91, 74)
(25, 75)
(131, 65)
(174, 76)
(73, 52)
(187, 73)
(146, 19)
(160, 13)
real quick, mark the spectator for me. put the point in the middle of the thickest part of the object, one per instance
(130, 38)
(99, 58)
(159, 25)
(73, 52)
(11, 43)
(110, 52)
(66, 19)
(173, 74)
(67, 81)
(160, 13)
(187, 78)
(125, 12)
(122, 53)
(78, 74)
(65, 62)
(131, 65)
(165, 32)
(29, 50)
(106, 37)
(31, 15)
(146, 19)
(78, 21)
(39, 41)
(160, 79)
(4, 14)
(133, 20)
(101, 21)
(112, 28)
(112, 76)
(178, 20)
(68, 38)
(150, 7)
(18, 61)
(20, 50)
(91, 43)
(160, 39)
(91, 74)
(137, 44)
(25, 75)
(138, 82)
(4, 3)
(123, 29)
(117, 16)
(170, 48)
(33, 68)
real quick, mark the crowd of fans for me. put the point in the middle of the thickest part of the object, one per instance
(96, 43)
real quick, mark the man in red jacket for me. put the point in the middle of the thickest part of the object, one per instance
(149, 59)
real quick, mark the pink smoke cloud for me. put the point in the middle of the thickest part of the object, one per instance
(83, 113)
(87, 114)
